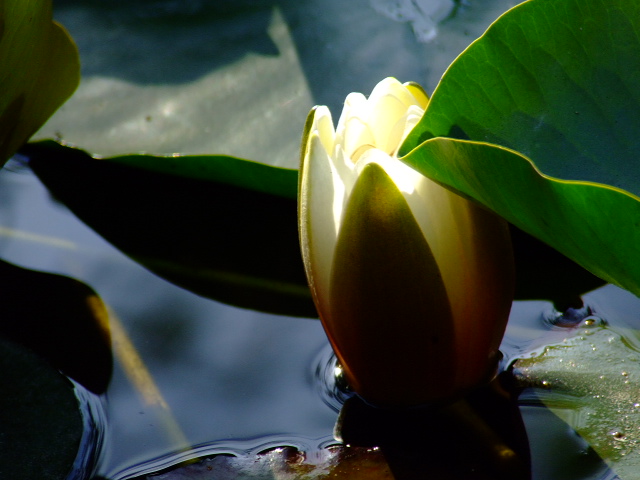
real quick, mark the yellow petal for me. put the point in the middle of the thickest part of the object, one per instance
(390, 321)
(422, 99)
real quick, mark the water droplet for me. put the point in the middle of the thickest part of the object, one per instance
(618, 436)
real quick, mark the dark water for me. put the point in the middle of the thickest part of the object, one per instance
(234, 381)
(224, 372)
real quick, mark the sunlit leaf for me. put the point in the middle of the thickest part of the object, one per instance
(221, 227)
(559, 82)
(590, 380)
(593, 224)
(40, 70)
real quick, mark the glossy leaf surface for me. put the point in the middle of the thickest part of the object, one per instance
(559, 82)
(593, 224)
(556, 80)
(40, 70)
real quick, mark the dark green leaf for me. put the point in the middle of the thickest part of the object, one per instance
(60, 319)
(223, 236)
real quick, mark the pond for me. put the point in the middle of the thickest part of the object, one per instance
(193, 377)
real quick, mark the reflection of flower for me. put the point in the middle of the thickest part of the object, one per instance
(412, 282)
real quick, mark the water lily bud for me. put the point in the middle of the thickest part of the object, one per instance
(412, 282)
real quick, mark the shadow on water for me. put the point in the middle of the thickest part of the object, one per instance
(165, 42)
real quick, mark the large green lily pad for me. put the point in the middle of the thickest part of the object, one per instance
(556, 80)
(595, 225)
(559, 82)
(40, 70)
(226, 228)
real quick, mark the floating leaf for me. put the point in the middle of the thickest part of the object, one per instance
(221, 227)
(60, 319)
(593, 224)
(590, 380)
(251, 256)
(336, 462)
(40, 70)
(559, 82)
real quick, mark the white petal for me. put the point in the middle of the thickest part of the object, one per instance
(317, 224)
(359, 134)
(344, 178)
(352, 104)
(323, 124)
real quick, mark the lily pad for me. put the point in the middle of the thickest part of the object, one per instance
(595, 225)
(60, 319)
(556, 80)
(40, 70)
(228, 227)
(590, 381)
(211, 224)
(559, 82)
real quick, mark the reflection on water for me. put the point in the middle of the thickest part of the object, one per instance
(225, 373)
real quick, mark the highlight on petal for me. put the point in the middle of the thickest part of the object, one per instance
(412, 282)
(317, 225)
